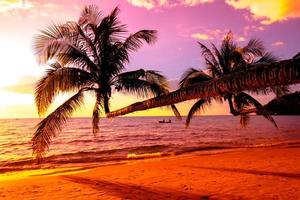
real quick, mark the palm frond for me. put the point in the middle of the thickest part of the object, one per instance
(280, 90)
(267, 57)
(62, 44)
(260, 108)
(142, 82)
(138, 87)
(227, 48)
(135, 41)
(54, 32)
(254, 47)
(193, 76)
(90, 15)
(210, 59)
(188, 73)
(155, 77)
(219, 58)
(132, 74)
(238, 61)
(87, 43)
(207, 54)
(195, 108)
(109, 30)
(58, 79)
(48, 127)
(176, 112)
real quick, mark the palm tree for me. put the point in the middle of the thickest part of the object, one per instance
(88, 56)
(229, 59)
(258, 76)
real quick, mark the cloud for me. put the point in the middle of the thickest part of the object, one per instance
(24, 86)
(150, 4)
(277, 43)
(201, 36)
(37, 8)
(269, 11)
(195, 2)
(207, 34)
(9, 5)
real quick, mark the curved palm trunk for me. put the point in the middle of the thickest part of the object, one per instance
(259, 76)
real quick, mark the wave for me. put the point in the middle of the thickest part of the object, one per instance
(125, 154)
(113, 155)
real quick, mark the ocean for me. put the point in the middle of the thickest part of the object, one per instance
(138, 137)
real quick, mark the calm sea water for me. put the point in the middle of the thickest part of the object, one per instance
(140, 135)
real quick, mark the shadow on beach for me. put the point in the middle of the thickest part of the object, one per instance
(131, 191)
(251, 171)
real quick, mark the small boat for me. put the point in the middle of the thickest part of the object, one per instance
(163, 121)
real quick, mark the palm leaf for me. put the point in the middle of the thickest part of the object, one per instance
(254, 47)
(62, 42)
(207, 54)
(135, 41)
(195, 108)
(110, 29)
(48, 127)
(145, 81)
(218, 68)
(260, 108)
(280, 90)
(142, 83)
(267, 57)
(226, 51)
(186, 75)
(90, 15)
(176, 112)
(193, 76)
(58, 79)
(138, 87)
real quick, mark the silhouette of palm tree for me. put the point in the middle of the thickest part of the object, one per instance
(89, 56)
(257, 76)
(230, 59)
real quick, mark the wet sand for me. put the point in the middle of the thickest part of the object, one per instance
(254, 173)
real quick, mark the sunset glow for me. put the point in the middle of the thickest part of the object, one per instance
(180, 24)
(149, 99)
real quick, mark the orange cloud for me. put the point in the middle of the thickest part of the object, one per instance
(150, 4)
(200, 36)
(269, 11)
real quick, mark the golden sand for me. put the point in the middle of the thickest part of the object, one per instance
(257, 173)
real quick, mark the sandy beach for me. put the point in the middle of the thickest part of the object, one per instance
(254, 173)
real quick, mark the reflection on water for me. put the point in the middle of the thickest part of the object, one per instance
(132, 136)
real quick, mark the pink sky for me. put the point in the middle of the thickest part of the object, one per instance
(181, 23)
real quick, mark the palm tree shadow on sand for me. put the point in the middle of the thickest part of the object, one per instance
(131, 191)
(251, 171)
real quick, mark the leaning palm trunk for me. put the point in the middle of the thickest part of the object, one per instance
(259, 76)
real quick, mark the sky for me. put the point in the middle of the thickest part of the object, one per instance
(180, 24)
